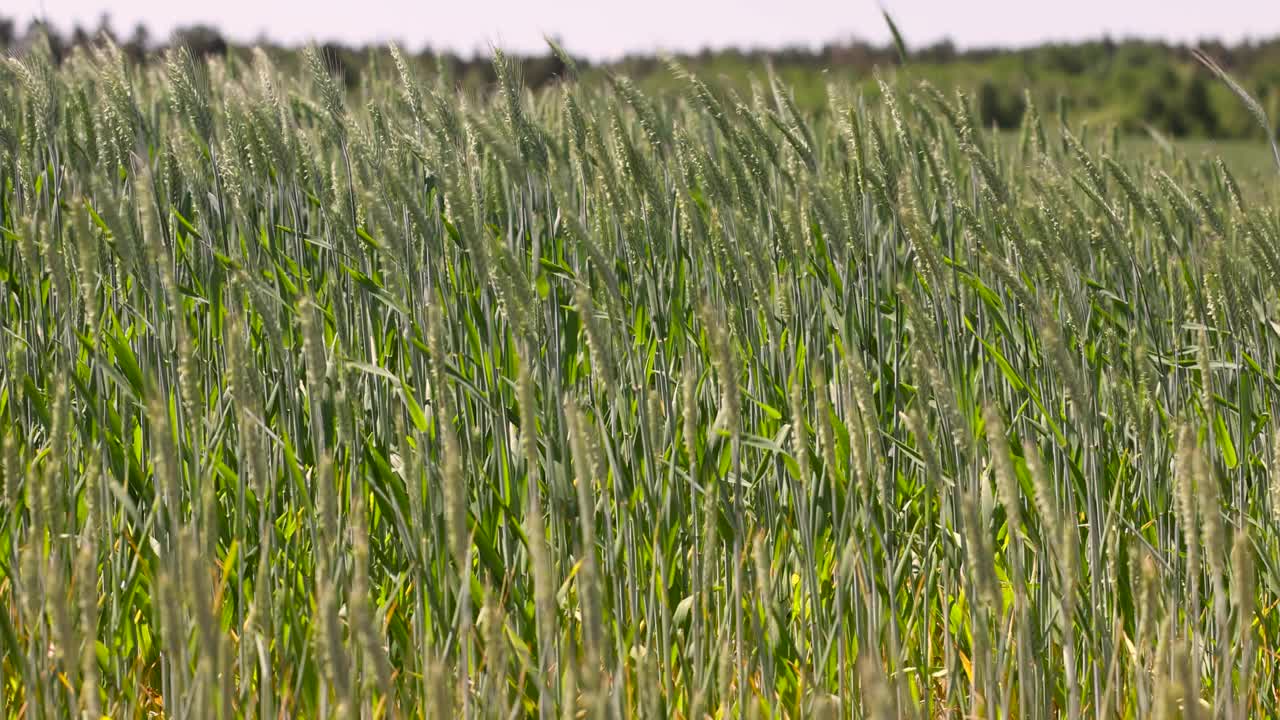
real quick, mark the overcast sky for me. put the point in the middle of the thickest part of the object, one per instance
(603, 29)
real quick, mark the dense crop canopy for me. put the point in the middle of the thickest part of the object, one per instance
(393, 401)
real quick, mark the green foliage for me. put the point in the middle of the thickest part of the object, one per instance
(324, 397)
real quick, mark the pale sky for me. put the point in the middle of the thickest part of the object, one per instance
(603, 29)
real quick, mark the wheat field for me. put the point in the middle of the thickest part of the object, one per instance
(397, 401)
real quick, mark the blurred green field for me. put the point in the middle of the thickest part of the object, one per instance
(1250, 162)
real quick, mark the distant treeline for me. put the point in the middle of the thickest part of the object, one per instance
(1137, 85)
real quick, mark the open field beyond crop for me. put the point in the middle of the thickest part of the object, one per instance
(396, 401)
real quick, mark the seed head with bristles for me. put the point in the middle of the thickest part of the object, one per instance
(1210, 510)
(800, 430)
(1006, 479)
(724, 358)
(689, 408)
(1243, 582)
(455, 493)
(597, 337)
(1185, 494)
(826, 431)
(1045, 501)
(528, 412)
(584, 471)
